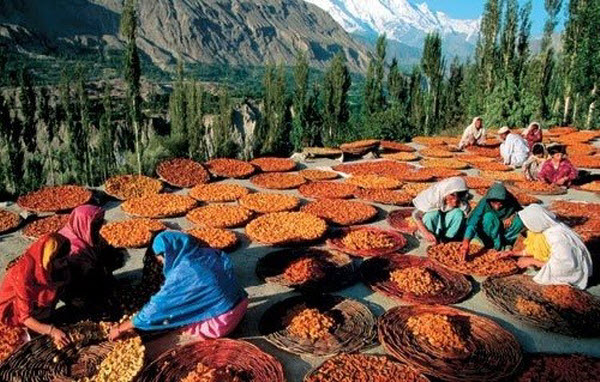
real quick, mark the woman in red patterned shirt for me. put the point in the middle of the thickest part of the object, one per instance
(558, 169)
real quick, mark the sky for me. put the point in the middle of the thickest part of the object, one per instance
(472, 9)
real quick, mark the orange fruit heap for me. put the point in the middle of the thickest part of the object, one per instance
(55, 198)
(278, 181)
(220, 216)
(44, 226)
(308, 323)
(125, 187)
(316, 175)
(132, 233)
(342, 212)
(439, 330)
(417, 280)
(274, 164)
(286, 227)
(218, 192)
(327, 190)
(158, 205)
(215, 237)
(265, 203)
(181, 172)
(374, 182)
(230, 168)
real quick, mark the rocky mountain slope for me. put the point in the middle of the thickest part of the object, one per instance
(236, 32)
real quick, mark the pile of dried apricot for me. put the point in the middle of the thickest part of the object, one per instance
(440, 330)
(123, 362)
(265, 203)
(397, 198)
(396, 147)
(327, 190)
(125, 187)
(477, 182)
(8, 220)
(525, 199)
(132, 233)
(304, 269)
(316, 175)
(531, 309)
(492, 166)
(593, 186)
(374, 182)
(286, 227)
(55, 198)
(414, 189)
(11, 337)
(308, 323)
(503, 176)
(218, 192)
(453, 164)
(432, 152)
(220, 216)
(484, 151)
(181, 172)
(342, 212)
(585, 161)
(274, 164)
(480, 261)
(537, 187)
(278, 181)
(567, 297)
(158, 205)
(44, 226)
(417, 280)
(363, 367)
(215, 237)
(357, 240)
(388, 168)
(576, 209)
(230, 168)
(402, 156)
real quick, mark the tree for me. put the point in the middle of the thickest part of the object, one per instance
(452, 100)
(11, 131)
(222, 144)
(27, 100)
(299, 136)
(397, 85)
(486, 50)
(196, 106)
(432, 64)
(106, 139)
(336, 110)
(132, 75)
(276, 113)
(374, 97)
(178, 107)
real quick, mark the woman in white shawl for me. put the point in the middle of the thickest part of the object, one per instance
(474, 134)
(441, 210)
(569, 261)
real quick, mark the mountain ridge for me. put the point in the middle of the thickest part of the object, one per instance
(234, 32)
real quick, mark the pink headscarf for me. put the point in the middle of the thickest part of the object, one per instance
(78, 229)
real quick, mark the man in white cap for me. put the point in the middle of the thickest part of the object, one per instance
(514, 148)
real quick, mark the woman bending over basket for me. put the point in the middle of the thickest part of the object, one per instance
(89, 257)
(494, 221)
(555, 248)
(200, 295)
(441, 210)
(31, 287)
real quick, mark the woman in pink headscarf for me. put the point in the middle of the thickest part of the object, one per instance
(87, 258)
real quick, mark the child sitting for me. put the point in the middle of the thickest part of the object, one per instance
(533, 165)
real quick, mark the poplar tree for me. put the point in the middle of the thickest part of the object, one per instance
(196, 109)
(222, 144)
(432, 64)
(132, 76)
(27, 99)
(276, 113)
(299, 133)
(374, 97)
(397, 86)
(177, 106)
(336, 110)
(79, 137)
(107, 136)
(452, 101)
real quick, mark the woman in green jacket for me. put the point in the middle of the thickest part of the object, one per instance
(486, 223)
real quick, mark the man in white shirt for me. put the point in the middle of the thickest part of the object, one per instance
(474, 134)
(514, 148)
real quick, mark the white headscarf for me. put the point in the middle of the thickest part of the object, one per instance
(472, 135)
(570, 261)
(528, 129)
(432, 199)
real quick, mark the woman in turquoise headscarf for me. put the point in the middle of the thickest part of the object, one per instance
(487, 221)
(200, 295)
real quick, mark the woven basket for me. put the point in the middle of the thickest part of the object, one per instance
(336, 242)
(506, 292)
(26, 204)
(39, 360)
(540, 367)
(550, 191)
(395, 147)
(322, 152)
(337, 267)
(494, 354)
(355, 326)
(167, 172)
(399, 220)
(345, 367)
(243, 357)
(375, 273)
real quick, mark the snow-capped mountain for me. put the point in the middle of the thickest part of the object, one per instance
(401, 20)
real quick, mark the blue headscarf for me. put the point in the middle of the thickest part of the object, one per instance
(199, 284)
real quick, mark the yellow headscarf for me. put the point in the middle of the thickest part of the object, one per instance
(50, 250)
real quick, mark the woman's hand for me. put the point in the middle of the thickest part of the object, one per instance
(430, 237)
(59, 337)
(115, 333)
(465, 248)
